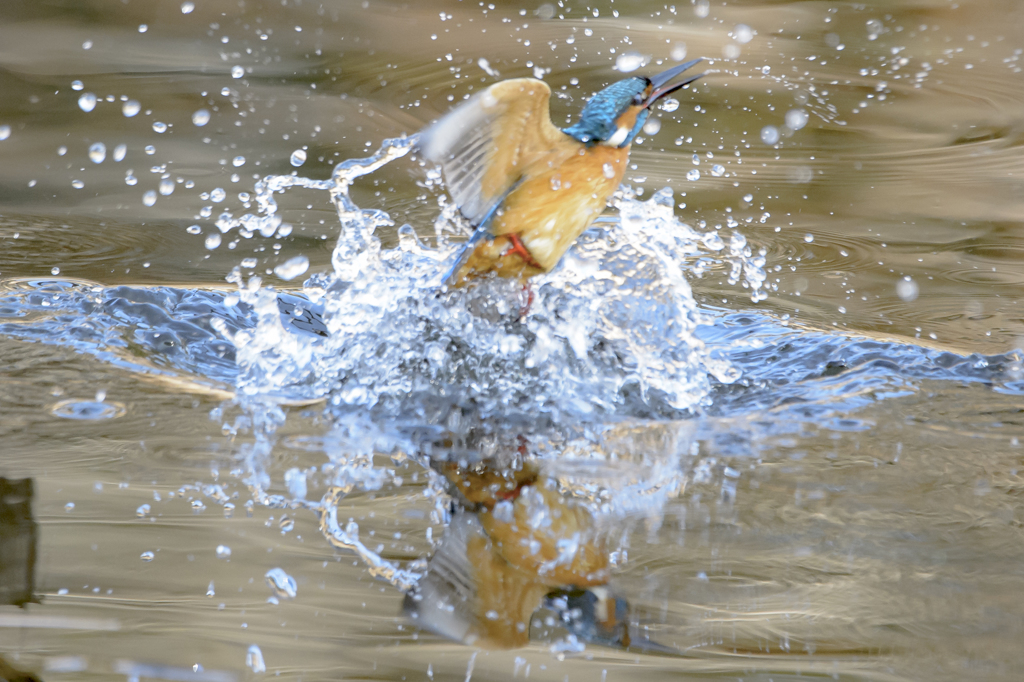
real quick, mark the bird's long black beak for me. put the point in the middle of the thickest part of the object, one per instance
(660, 82)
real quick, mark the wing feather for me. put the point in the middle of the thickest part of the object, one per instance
(485, 145)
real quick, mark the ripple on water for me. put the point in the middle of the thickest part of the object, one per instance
(70, 246)
(88, 410)
(985, 275)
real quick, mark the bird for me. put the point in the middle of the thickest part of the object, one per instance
(528, 188)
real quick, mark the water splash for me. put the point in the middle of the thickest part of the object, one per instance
(610, 332)
(408, 366)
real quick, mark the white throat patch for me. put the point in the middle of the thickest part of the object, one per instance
(618, 138)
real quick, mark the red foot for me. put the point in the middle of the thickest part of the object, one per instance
(520, 250)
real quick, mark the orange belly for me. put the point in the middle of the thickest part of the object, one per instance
(558, 198)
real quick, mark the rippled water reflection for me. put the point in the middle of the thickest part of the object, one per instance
(231, 478)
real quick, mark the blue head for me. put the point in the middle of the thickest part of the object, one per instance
(615, 115)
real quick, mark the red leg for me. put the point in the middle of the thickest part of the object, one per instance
(520, 250)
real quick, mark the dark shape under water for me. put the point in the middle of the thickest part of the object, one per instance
(18, 537)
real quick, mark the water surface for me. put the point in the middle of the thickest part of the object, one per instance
(777, 386)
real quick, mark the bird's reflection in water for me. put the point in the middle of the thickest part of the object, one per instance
(516, 544)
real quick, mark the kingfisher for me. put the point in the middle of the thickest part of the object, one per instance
(527, 187)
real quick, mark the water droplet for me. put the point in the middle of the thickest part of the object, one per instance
(874, 27)
(693, 175)
(130, 108)
(702, 8)
(796, 119)
(166, 187)
(238, 161)
(130, 179)
(223, 552)
(150, 149)
(713, 241)
(77, 184)
(718, 170)
(808, 238)
(70, 506)
(5, 132)
(678, 52)
(556, 183)
(669, 104)
(77, 85)
(149, 198)
(147, 556)
(119, 152)
(486, 66)
(187, 7)
(201, 117)
(742, 34)
(143, 511)
(295, 479)
(907, 289)
(298, 157)
(652, 126)
(292, 268)
(143, 28)
(237, 71)
(218, 195)
(87, 45)
(769, 135)
(254, 660)
(213, 241)
(97, 152)
(209, 590)
(159, 127)
(608, 170)
(249, 262)
(630, 61)
(193, 229)
(54, 271)
(87, 102)
(281, 583)
(748, 198)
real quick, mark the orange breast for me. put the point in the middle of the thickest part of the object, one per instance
(561, 193)
(555, 203)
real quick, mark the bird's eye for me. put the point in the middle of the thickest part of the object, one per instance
(638, 98)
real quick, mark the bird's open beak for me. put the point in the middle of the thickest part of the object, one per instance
(660, 82)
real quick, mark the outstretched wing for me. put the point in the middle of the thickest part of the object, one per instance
(485, 144)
